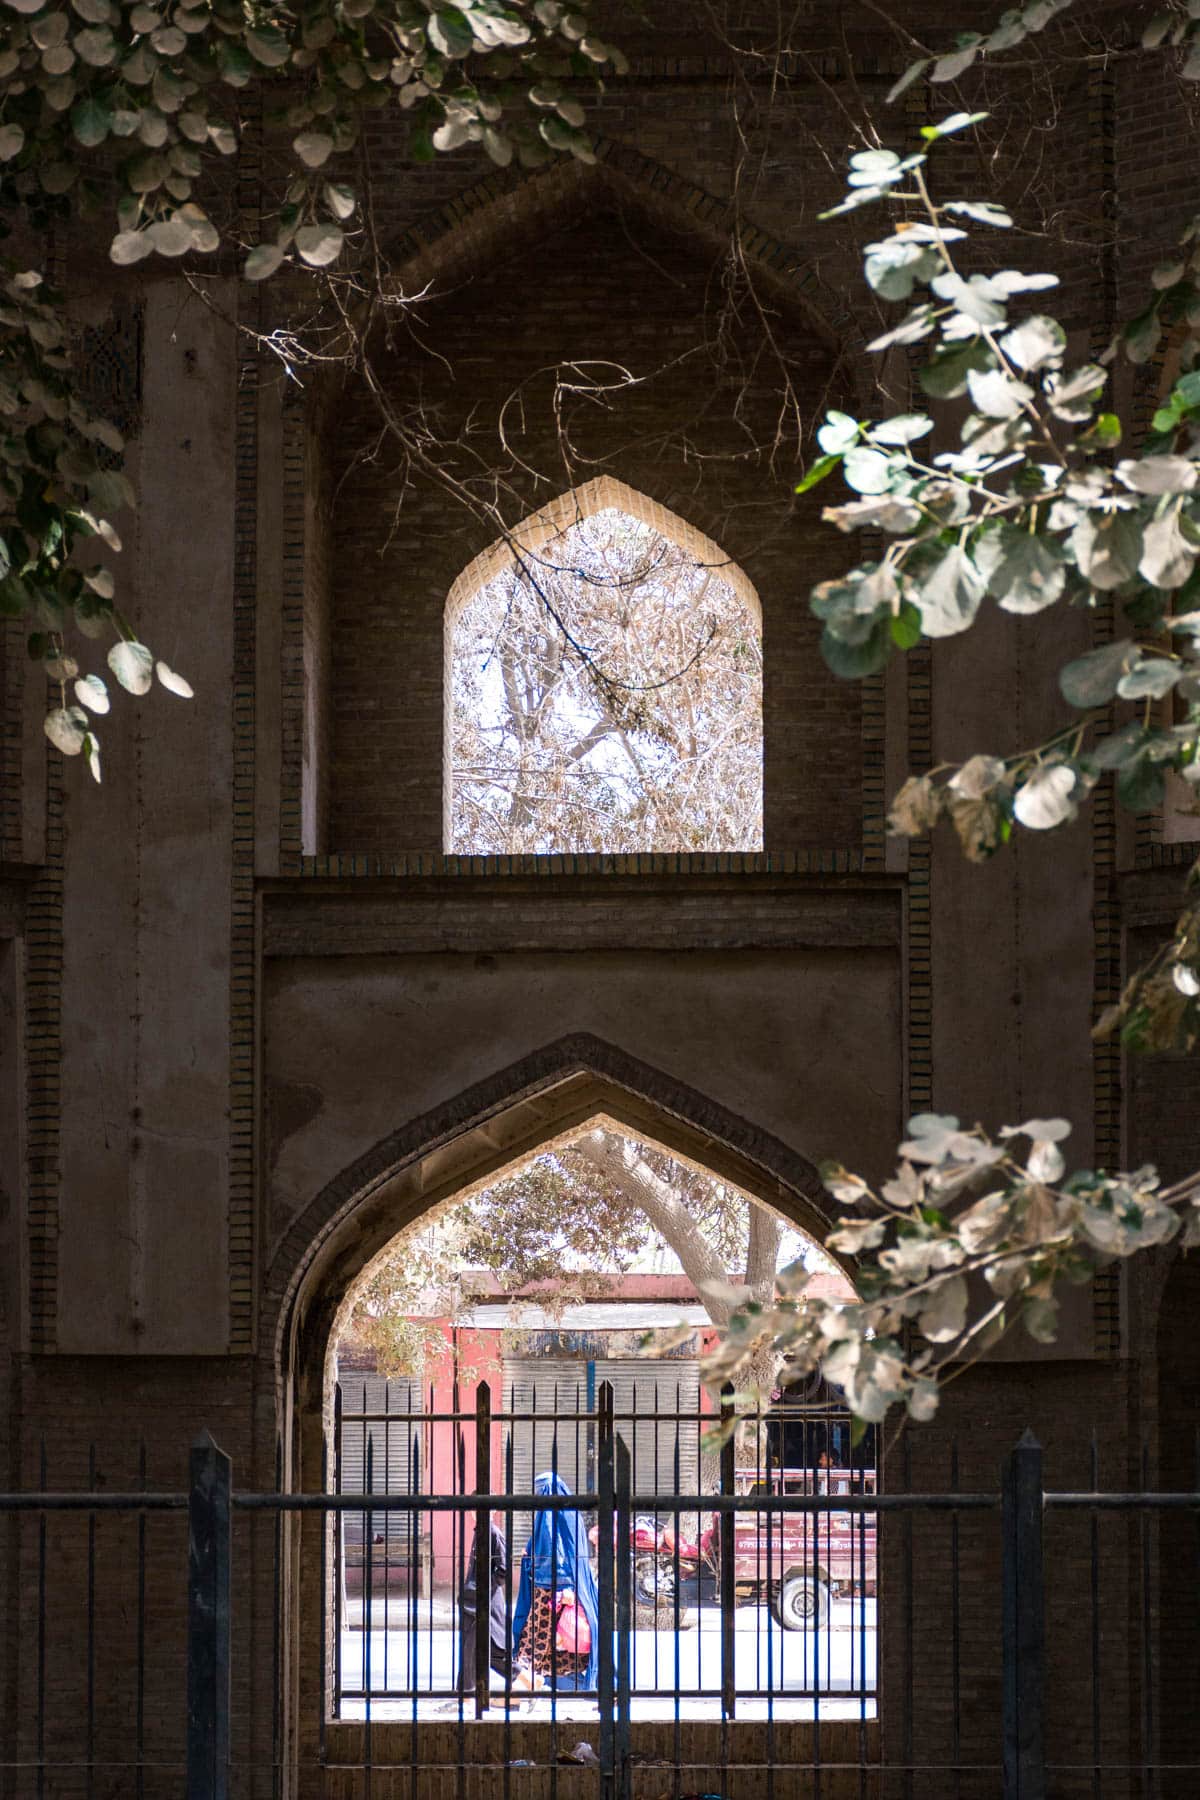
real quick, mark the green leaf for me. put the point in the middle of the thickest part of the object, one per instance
(66, 727)
(1141, 336)
(957, 62)
(891, 512)
(268, 45)
(174, 684)
(92, 692)
(905, 428)
(913, 73)
(1159, 474)
(320, 244)
(133, 666)
(1091, 680)
(262, 261)
(905, 627)
(313, 148)
(895, 264)
(1024, 572)
(130, 247)
(866, 471)
(1035, 342)
(984, 212)
(996, 393)
(450, 33)
(823, 466)
(341, 200)
(949, 594)
(1073, 396)
(1141, 786)
(1107, 548)
(1105, 433)
(1047, 798)
(1151, 678)
(945, 375)
(837, 433)
(1168, 557)
(958, 121)
(91, 120)
(852, 661)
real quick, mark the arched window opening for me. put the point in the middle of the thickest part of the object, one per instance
(606, 692)
(543, 1336)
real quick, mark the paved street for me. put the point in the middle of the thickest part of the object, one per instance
(786, 1665)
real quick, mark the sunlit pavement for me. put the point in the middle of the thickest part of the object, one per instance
(785, 1665)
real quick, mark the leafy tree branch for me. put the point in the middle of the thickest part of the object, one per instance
(136, 108)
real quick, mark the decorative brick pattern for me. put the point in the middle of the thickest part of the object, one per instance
(725, 862)
(919, 1096)
(242, 1009)
(43, 1059)
(1106, 922)
(12, 658)
(293, 722)
(874, 792)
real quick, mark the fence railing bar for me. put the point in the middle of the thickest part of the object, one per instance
(663, 1503)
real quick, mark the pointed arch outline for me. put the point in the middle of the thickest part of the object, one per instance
(486, 217)
(540, 528)
(491, 1127)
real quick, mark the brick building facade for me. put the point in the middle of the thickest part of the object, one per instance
(253, 1020)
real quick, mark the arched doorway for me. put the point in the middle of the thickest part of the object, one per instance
(572, 1086)
(567, 1306)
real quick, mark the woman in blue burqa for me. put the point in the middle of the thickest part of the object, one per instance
(551, 1646)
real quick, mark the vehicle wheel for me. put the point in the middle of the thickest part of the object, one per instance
(801, 1604)
(653, 1581)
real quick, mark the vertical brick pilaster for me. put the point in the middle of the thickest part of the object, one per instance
(43, 1060)
(295, 553)
(1106, 1054)
(242, 945)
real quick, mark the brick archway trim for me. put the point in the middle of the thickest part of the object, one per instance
(509, 209)
(490, 1127)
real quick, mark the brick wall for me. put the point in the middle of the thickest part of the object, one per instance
(586, 293)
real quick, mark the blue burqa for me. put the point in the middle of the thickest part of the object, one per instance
(557, 1554)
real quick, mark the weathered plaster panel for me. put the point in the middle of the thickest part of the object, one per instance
(804, 1044)
(142, 1257)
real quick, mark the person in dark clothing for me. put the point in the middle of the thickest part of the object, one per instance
(499, 1653)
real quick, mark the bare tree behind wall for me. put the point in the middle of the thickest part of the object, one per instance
(576, 1217)
(607, 697)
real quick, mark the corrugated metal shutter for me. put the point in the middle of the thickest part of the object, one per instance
(642, 1387)
(544, 1385)
(396, 1450)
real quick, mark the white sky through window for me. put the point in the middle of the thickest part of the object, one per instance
(607, 697)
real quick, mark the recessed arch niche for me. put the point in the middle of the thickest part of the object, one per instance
(478, 1136)
(420, 1168)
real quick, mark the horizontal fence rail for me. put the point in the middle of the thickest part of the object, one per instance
(134, 1680)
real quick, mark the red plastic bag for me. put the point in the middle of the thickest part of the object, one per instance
(572, 1633)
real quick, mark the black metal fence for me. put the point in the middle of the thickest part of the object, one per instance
(1041, 1681)
(753, 1607)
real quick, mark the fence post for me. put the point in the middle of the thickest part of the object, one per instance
(1024, 1633)
(605, 1537)
(483, 1550)
(624, 1561)
(727, 1546)
(208, 1691)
